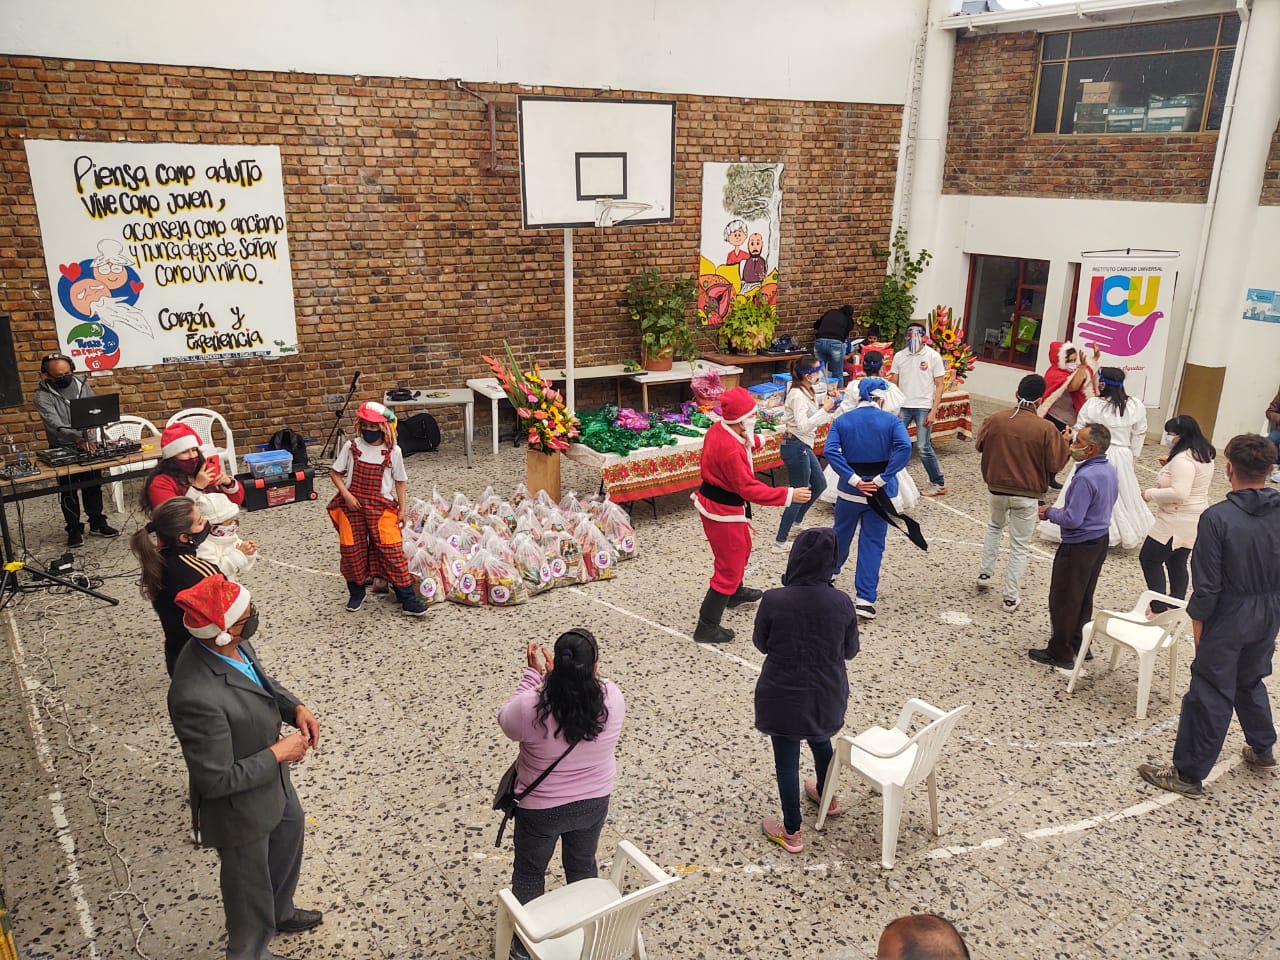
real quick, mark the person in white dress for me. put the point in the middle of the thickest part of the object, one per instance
(908, 493)
(1126, 418)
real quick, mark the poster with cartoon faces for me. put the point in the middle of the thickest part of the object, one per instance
(741, 236)
(164, 253)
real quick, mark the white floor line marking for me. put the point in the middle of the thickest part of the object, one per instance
(66, 837)
(713, 647)
(1142, 808)
(935, 502)
(319, 573)
(1155, 729)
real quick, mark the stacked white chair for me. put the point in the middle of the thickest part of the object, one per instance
(202, 420)
(131, 428)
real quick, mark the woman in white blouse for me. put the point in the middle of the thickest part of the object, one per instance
(803, 413)
(1180, 495)
(1126, 418)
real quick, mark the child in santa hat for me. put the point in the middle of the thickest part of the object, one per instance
(185, 471)
(224, 546)
(729, 486)
(369, 509)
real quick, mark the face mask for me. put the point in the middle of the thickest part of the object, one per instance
(200, 536)
(1078, 453)
(1073, 365)
(371, 436)
(1169, 440)
(62, 382)
(914, 342)
(226, 529)
(190, 467)
(250, 626)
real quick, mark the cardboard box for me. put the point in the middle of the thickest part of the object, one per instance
(1090, 126)
(1091, 111)
(1120, 111)
(1099, 91)
(1126, 124)
(1181, 100)
(261, 493)
(1167, 125)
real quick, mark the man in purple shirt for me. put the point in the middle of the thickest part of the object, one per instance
(1085, 519)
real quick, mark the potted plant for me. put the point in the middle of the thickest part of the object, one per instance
(749, 326)
(662, 308)
(894, 305)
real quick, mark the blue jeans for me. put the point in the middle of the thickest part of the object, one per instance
(923, 436)
(831, 353)
(803, 470)
(1274, 437)
(786, 767)
(871, 528)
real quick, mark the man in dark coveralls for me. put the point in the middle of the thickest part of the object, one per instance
(1235, 616)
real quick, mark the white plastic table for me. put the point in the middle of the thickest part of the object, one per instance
(445, 398)
(681, 372)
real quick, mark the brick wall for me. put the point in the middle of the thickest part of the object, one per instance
(1271, 176)
(408, 261)
(990, 149)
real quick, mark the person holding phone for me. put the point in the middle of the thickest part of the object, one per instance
(185, 471)
(802, 414)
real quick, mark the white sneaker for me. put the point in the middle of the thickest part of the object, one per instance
(984, 581)
(1011, 605)
(864, 609)
(782, 546)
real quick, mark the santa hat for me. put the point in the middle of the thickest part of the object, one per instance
(176, 438)
(871, 387)
(217, 507)
(212, 607)
(736, 405)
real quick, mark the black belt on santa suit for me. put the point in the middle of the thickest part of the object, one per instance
(726, 498)
(882, 503)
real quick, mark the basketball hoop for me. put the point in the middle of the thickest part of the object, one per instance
(610, 212)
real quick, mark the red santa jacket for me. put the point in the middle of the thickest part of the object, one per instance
(727, 464)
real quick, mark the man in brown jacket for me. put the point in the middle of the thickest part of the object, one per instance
(1020, 452)
(1273, 432)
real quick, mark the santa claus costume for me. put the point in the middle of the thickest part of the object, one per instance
(729, 486)
(1060, 405)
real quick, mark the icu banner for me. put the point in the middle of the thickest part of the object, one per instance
(1124, 307)
(164, 253)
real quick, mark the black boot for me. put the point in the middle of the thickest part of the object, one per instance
(744, 594)
(355, 598)
(709, 629)
(410, 602)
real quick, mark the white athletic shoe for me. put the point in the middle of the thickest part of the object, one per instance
(864, 609)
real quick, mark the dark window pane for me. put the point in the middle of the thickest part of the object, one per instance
(1055, 46)
(1145, 37)
(1230, 29)
(1218, 98)
(1047, 98)
(1178, 81)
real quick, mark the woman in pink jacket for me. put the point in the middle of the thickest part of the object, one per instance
(561, 705)
(1180, 495)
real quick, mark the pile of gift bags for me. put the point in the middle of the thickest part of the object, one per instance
(499, 552)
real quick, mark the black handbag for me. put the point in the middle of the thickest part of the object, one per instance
(506, 799)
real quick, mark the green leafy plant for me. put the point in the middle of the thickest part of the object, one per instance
(894, 305)
(750, 324)
(662, 307)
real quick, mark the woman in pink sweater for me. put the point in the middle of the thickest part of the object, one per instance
(561, 703)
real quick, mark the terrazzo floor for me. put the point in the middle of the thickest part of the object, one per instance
(1052, 845)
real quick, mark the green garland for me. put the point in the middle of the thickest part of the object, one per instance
(597, 431)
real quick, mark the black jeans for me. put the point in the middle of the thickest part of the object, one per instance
(1075, 575)
(786, 767)
(91, 495)
(576, 825)
(1155, 559)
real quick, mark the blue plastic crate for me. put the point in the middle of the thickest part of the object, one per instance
(269, 463)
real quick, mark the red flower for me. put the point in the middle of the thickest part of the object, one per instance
(523, 413)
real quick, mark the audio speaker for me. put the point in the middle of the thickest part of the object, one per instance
(10, 386)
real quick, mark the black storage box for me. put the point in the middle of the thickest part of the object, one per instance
(277, 491)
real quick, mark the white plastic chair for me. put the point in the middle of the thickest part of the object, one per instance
(587, 920)
(892, 762)
(130, 428)
(201, 420)
(1144, 637)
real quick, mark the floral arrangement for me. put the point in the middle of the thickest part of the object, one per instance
(946, 332)
(540, 408)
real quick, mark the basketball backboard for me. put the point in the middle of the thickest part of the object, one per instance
(586, 163)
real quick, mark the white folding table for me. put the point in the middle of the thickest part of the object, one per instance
(445, 398)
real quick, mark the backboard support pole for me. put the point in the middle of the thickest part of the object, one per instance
(568, 320)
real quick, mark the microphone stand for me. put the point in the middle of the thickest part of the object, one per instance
(337, 420)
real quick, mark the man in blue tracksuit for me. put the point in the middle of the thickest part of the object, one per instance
(1235, 615)
(866, 447)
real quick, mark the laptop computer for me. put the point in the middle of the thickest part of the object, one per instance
(88, 413)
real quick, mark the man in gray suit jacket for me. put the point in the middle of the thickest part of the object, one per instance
(227, 713)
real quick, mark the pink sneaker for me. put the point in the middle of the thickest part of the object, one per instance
(811, 791)
(775, 831)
